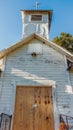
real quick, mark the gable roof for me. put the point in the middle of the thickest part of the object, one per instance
(38, 37)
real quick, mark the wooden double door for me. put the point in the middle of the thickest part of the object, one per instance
(33, 109)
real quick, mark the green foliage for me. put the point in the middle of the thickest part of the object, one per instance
(65, 40)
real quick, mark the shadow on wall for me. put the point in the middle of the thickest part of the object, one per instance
(32, 77)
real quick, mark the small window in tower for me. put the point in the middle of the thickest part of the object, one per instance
(36, 17)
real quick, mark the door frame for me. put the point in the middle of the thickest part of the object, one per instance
(55, 108)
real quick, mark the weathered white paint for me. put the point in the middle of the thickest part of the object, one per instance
(40, 27)
(42, 39)
(2, 63)
(56, 112)
(37, 48)
(21, 68)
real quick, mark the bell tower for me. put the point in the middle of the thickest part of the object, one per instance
(36, 21)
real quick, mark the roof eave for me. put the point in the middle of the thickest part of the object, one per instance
(57, 47)
(15, 46)
(46, 41)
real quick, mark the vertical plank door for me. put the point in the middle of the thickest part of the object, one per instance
(33, 109)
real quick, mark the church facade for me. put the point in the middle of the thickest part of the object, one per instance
(36, 78)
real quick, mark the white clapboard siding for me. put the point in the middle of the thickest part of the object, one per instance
(71, 97)
(1, 68)
(21, 68)
(71, 77)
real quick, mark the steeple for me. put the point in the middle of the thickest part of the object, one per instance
(36, 21)
(36, 5)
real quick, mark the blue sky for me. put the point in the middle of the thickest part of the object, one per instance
(10, 18)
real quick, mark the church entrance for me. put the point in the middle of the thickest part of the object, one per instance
(33, 108)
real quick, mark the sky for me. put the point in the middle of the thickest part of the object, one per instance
(10, 18)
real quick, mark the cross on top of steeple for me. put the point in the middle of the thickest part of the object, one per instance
(36, 5)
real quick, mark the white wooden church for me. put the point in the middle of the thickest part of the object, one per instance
(36, 79)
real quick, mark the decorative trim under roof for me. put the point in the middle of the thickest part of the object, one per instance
(37, 11)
